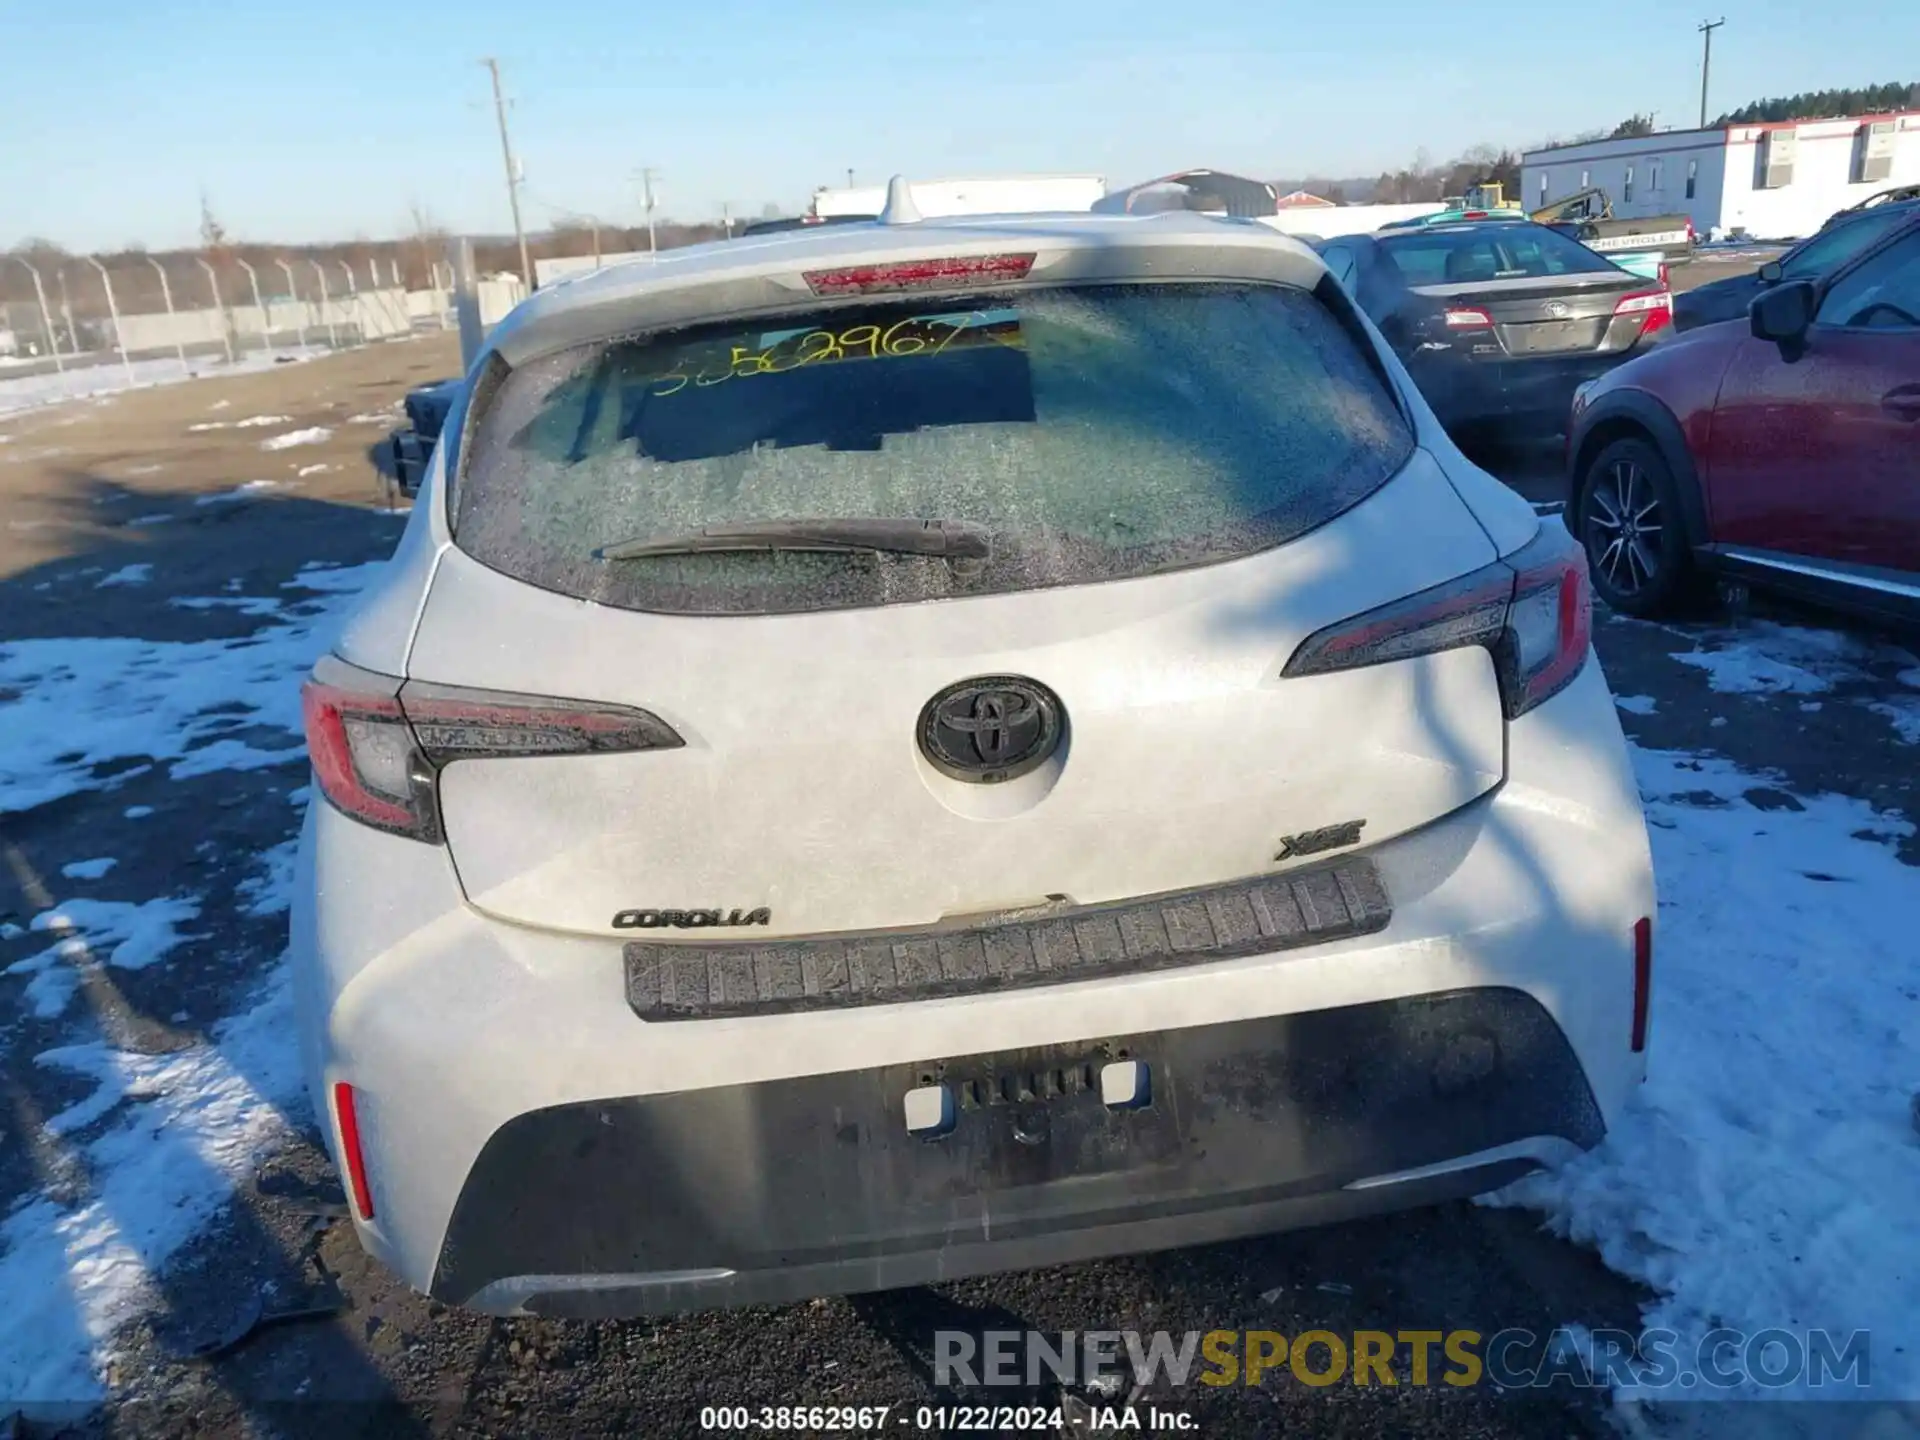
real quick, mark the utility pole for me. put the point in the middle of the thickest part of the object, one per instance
(646, 186)
(849, 177)
(1707, 27)
(513, 175)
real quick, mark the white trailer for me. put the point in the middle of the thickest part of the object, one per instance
(972, 195)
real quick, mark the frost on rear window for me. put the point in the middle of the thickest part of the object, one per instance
(1095, 433)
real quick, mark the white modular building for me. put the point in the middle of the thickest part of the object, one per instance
(1775, 181)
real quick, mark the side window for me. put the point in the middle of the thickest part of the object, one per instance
(1544, 175)
(1693, 177)
(1882, 294)
(1340, 261)
(1626, 188)
(1835, 247)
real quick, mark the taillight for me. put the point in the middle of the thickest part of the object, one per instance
(1533, 611)
(1642, 980)
(364, 757)
(944, 274)
(378, 745)
(1655, 305)
(1665, 284)
(1550, 624)
(1467, 317)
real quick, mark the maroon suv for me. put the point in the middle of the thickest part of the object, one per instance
(1782, 449)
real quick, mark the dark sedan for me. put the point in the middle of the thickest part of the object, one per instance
(1847, 234)
(1498, 321)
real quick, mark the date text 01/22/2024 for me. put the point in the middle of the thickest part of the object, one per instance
(931, 1419)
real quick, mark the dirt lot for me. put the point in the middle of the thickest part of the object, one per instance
(93, 474)
(88, 492)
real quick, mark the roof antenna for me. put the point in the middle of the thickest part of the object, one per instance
(900, 209)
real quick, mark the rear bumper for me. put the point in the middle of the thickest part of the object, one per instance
(1467, 392)
(813, 1185)
(532, 1143)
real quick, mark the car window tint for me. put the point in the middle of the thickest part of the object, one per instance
(1883, 293)
(1340, 262)
(1096, 433)
(1838, 245)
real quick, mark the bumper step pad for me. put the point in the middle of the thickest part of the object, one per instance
(1249, 917)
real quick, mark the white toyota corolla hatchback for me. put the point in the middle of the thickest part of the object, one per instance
(905, 750)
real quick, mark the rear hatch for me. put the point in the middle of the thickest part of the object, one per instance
(1526, 291)
(1176, 486)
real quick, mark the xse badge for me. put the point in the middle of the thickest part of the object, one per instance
(1313, 842)
(690, 919)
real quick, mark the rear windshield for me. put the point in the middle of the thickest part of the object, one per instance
(1503, 252)
(1094, 434)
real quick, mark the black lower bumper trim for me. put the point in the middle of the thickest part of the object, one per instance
(1250, 917)
(813, 1185)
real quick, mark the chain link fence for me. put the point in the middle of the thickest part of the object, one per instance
(59, 311)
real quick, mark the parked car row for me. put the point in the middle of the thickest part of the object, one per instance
(1771, 436)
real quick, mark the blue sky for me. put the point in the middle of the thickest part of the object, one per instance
(333, 121)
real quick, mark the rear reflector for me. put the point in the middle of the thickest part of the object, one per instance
(946, 274)
(1642, 980)
(1533, 612)
(378, 746)
(349, 1122)
(1468, 317)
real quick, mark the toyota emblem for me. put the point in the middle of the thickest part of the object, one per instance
(991, 729)
(1557, 309)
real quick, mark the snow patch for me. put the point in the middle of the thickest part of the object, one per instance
(312, 435)
(1636, 704)
(271, 891)
(1905, 715)
(25, 392)
(1765, 658)
(245, 604)
(88, 700)
(116, 932)
(127, 575)
(74, 1271)
(1765, 1173)
(239, 492)
(306, 470)
(88, 869)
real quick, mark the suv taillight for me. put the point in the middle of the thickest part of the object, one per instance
(1533, 611)
(378, 744)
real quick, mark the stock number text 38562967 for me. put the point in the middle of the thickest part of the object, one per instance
(916, 335)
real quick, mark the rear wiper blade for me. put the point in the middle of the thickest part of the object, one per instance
(951, 539)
